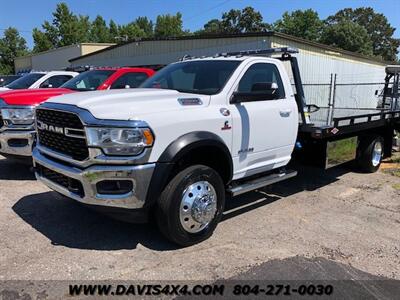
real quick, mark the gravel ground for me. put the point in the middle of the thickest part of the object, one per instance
(337, 216)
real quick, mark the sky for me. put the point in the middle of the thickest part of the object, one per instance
(26, 15)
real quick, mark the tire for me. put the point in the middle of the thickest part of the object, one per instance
(370, 153)
(197, 188)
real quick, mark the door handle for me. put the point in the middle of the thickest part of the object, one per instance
(285, 113)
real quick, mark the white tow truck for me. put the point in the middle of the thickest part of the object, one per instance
(198, 130)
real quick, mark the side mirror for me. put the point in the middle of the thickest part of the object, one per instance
(311, 108)
(259, 91)
(127, 86)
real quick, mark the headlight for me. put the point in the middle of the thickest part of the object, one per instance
(19, 116)
(120, 141)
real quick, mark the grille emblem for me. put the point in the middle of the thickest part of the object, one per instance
(51, 128)
(71, 132)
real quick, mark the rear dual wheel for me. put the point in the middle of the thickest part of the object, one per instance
(191, 205)
(370, 153)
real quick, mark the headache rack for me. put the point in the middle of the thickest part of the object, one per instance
(328, 122)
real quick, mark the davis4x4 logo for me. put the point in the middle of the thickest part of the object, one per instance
(145, 290)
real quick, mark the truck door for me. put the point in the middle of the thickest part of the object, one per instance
(264, 131)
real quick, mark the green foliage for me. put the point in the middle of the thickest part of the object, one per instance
(146, 25)
(361, 30)
(99, 32)
(41, 41)
(305, 24)
(65, 29)
(250, 21)
(169, 25)
(348, 35)
(12, 45)
(236, 21)
(380, 32)
(213, 26)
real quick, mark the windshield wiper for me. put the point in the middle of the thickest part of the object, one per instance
(191, 91)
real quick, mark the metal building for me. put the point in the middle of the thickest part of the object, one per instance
(55, 59)
(351, 77)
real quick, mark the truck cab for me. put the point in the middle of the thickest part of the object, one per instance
(233, 117)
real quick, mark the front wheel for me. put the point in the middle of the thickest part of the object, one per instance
(191, 205)
(370, 153)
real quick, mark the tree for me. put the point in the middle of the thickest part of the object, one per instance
(348, 35)
(114, 30)
(251, 20)
(169, 26)
(12, 45)
(130, 31)
(65, 29)
(377, 26)
(236, 21)
(41, 41)
(213, 26)
(99, 32)
(301, 23)
(246, 20)
(146, 25)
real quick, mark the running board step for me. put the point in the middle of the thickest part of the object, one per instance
(261, 182)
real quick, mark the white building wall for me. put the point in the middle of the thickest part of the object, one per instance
(55, 59)
(316, 66)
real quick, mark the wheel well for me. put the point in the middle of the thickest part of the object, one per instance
(387, 133)
(210, 156)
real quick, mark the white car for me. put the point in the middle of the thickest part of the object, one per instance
(37, 80)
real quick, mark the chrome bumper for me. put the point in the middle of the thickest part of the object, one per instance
(7, 135)
(139, 175)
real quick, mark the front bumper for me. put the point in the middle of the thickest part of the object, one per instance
(139, 175)
(17, 142)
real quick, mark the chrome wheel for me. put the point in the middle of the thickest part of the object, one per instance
(198, 206)
(377, 154)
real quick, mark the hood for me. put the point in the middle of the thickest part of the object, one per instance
(3, 89)
(129, 104)
(31, 96)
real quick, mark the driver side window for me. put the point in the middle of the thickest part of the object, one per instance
(55, 81)
(260, 73)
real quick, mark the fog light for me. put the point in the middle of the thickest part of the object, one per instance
(114, 187)
(18, 142)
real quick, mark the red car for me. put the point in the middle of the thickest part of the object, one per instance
(17, 106)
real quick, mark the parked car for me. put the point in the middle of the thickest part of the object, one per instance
(17, 107)
(35, 80)
(7, 79)
(198, 130)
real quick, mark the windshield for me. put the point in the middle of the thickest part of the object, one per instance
(8, 79)
(197, 77)
(25, 81)
(88, 81)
